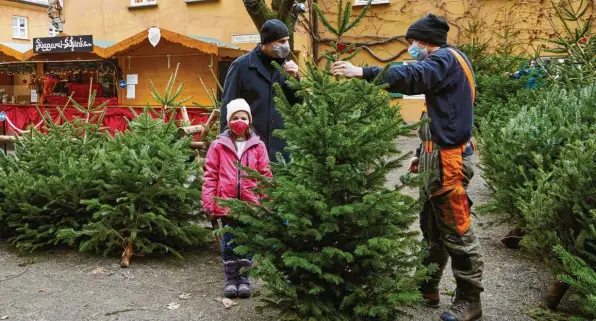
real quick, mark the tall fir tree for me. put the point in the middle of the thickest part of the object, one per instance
(330, 240)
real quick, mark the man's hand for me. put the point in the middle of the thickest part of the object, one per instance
(346, 69)
(414, 164)
(291, 68)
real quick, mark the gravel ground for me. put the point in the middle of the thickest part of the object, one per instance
(63, 285)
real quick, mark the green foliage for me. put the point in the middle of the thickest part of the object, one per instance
(513, 150)
(142, 196)
(346, 252)
(496, 92)
(561, 214)
(576, 41)
(557, 211)
(581, 277)
(538, 154)
(78, 185)
(344, 25)
(493, 84)
(43, 182)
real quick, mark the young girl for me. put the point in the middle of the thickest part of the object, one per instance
(224, 179)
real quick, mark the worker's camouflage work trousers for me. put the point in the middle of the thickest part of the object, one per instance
(445, 218)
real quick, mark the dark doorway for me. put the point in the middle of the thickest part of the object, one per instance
(222, 71)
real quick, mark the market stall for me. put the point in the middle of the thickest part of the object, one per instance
(119, 73)
(16, 76)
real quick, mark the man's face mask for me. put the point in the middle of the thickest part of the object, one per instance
(416, 52)
(281, 51)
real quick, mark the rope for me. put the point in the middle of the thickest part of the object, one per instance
(15, 128)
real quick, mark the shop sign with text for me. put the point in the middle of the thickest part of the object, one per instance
(63, 44)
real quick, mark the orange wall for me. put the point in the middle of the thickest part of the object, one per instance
(38, 21)
(112, 19)
(521, 24)
(152, 64)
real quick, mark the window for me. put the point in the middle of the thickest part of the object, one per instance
(364, 2)
(53, 31)
(19, 27)
(142, 3)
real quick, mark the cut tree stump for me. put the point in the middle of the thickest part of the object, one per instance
(190, 130)
(555, 294)
(126, 255)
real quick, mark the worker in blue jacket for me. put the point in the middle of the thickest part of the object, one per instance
(534, 75)
(444, 75)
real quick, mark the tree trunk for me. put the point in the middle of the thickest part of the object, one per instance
(314, 23)
(259, 12)
(126, 255)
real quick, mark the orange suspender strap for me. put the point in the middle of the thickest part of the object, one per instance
(467, 70)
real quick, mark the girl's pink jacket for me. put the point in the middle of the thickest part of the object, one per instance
(224, 179)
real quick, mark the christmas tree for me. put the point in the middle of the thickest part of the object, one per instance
(561, 215)
(329, 239)
(42, 183)
(145, 203)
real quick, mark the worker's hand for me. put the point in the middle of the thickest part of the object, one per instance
(346, 69)
(414, 165)
(291, 68)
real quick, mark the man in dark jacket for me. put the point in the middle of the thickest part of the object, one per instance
(444, 75)
(252, 77)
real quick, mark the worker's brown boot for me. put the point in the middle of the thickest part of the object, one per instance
(432, 300)
(430, 293)
(556, 291)
(466, 307)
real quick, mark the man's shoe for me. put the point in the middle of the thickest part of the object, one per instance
(467, 307)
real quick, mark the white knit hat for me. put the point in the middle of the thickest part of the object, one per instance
(237, 105)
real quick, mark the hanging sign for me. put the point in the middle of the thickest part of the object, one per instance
(122, 84)
(154, 36)
(132, 79)
(248, 38)
(33, 96)
(63, 44)
(131, 91)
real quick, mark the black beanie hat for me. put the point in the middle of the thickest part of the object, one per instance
(273, 30)
(430, 29)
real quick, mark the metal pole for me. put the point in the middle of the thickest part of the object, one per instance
(4, 133)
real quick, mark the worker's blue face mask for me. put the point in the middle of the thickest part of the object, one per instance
(416, 52)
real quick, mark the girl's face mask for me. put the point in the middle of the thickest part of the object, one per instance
(416, 52)
(239, 127)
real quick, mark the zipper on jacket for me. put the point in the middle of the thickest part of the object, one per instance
(239, 194)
